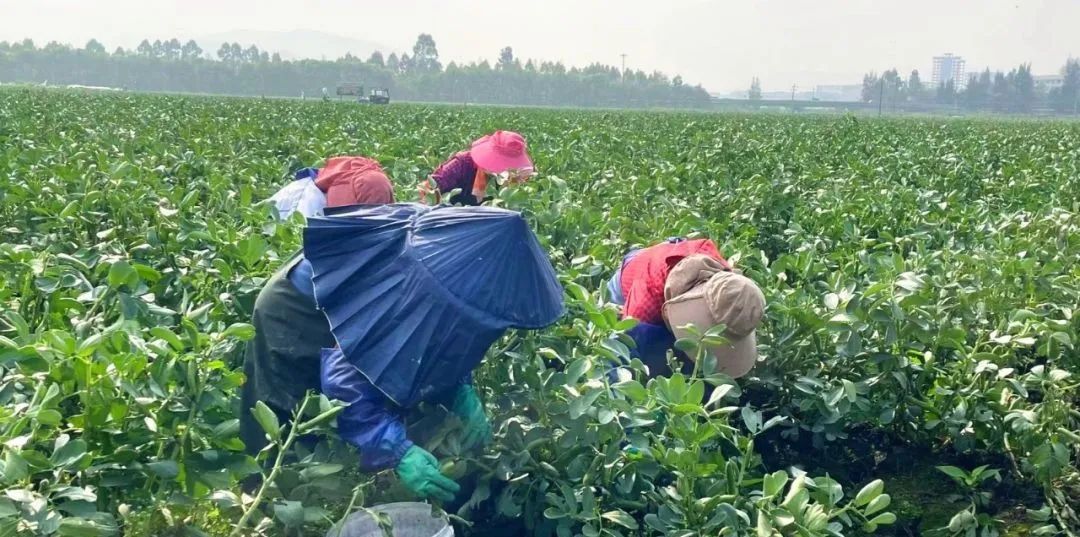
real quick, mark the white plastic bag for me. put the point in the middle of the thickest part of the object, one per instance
(300, 196)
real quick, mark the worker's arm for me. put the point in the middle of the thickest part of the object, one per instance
(651, 342)
(428, 187)
(300, 276)
(459, 172)
(370, 422)
(464, 401)
(479, 184)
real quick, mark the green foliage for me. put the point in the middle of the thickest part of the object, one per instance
(920, 277)
(235, 70)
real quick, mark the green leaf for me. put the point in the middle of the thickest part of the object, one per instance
(321, 419)
(632, 389)
(227, 429)
(252, 249)
(688, 346)
(605, 416)
(241, 331)
(869, 492)
(21, 495)
(214, 479)
(122, 274)
(764, 528)
(74, 494)
(751, 418)
(7, 508)
(580, 405)
(267, 420)
(877, 504)
(616, 347)
(576, 369)
(909, 281)
(961, 520)
(883, 519)
(225, 499)
(954, 472)
(320, 470)
(69, 454)
(172, 339)
(290, 513)
(774, 483)
(563, 529)
(82, 527)
(887, 415)
(15, 467)
(850, 390)
(621, 518)
(718, 393)
(588, 501)
(49, 416)
(554, 513)
(771, 422)
(164, 469)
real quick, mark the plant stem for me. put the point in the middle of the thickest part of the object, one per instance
(269, 480)
(348, 511)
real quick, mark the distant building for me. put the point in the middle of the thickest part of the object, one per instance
(839, 92)
(1048, 82)
(949, 67)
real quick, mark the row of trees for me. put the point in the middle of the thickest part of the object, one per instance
(1014, 91)
(185, 67)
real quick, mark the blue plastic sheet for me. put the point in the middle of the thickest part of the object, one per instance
(415, 295)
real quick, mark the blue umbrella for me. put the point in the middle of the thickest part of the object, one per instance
(415, 295)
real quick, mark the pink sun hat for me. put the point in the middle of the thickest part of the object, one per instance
(501, 151)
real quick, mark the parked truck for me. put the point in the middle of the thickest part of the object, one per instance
(376, 96)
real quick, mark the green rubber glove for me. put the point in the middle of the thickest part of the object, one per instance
(468, 407)
(419, 472)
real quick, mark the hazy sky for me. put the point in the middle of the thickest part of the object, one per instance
(720, 44)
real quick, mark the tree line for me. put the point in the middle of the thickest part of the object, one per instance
(173, 66)
(1013, 92)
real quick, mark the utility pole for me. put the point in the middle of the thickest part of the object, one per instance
(881, 96)
(793, 88)
(622, 74)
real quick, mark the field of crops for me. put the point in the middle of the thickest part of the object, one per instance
(921, 278)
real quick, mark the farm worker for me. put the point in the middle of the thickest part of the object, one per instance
(502, 152)
(390, 306)
(679, 282)
(344, 178)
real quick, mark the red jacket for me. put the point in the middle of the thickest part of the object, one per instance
(644, 276)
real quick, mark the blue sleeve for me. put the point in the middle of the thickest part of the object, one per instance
(614, 288)
(300, 277)
(651, 343)
(369, 422)
(614, 285)
(304, 173)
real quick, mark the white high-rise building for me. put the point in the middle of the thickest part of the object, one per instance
(949, 67)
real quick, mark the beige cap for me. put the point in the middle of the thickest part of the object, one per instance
(726, 298)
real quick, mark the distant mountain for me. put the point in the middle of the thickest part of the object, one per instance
(295, 44)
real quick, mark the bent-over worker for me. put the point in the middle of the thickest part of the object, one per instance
(679, 282)
(497, 153)
(391, 306)
(347, 177)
